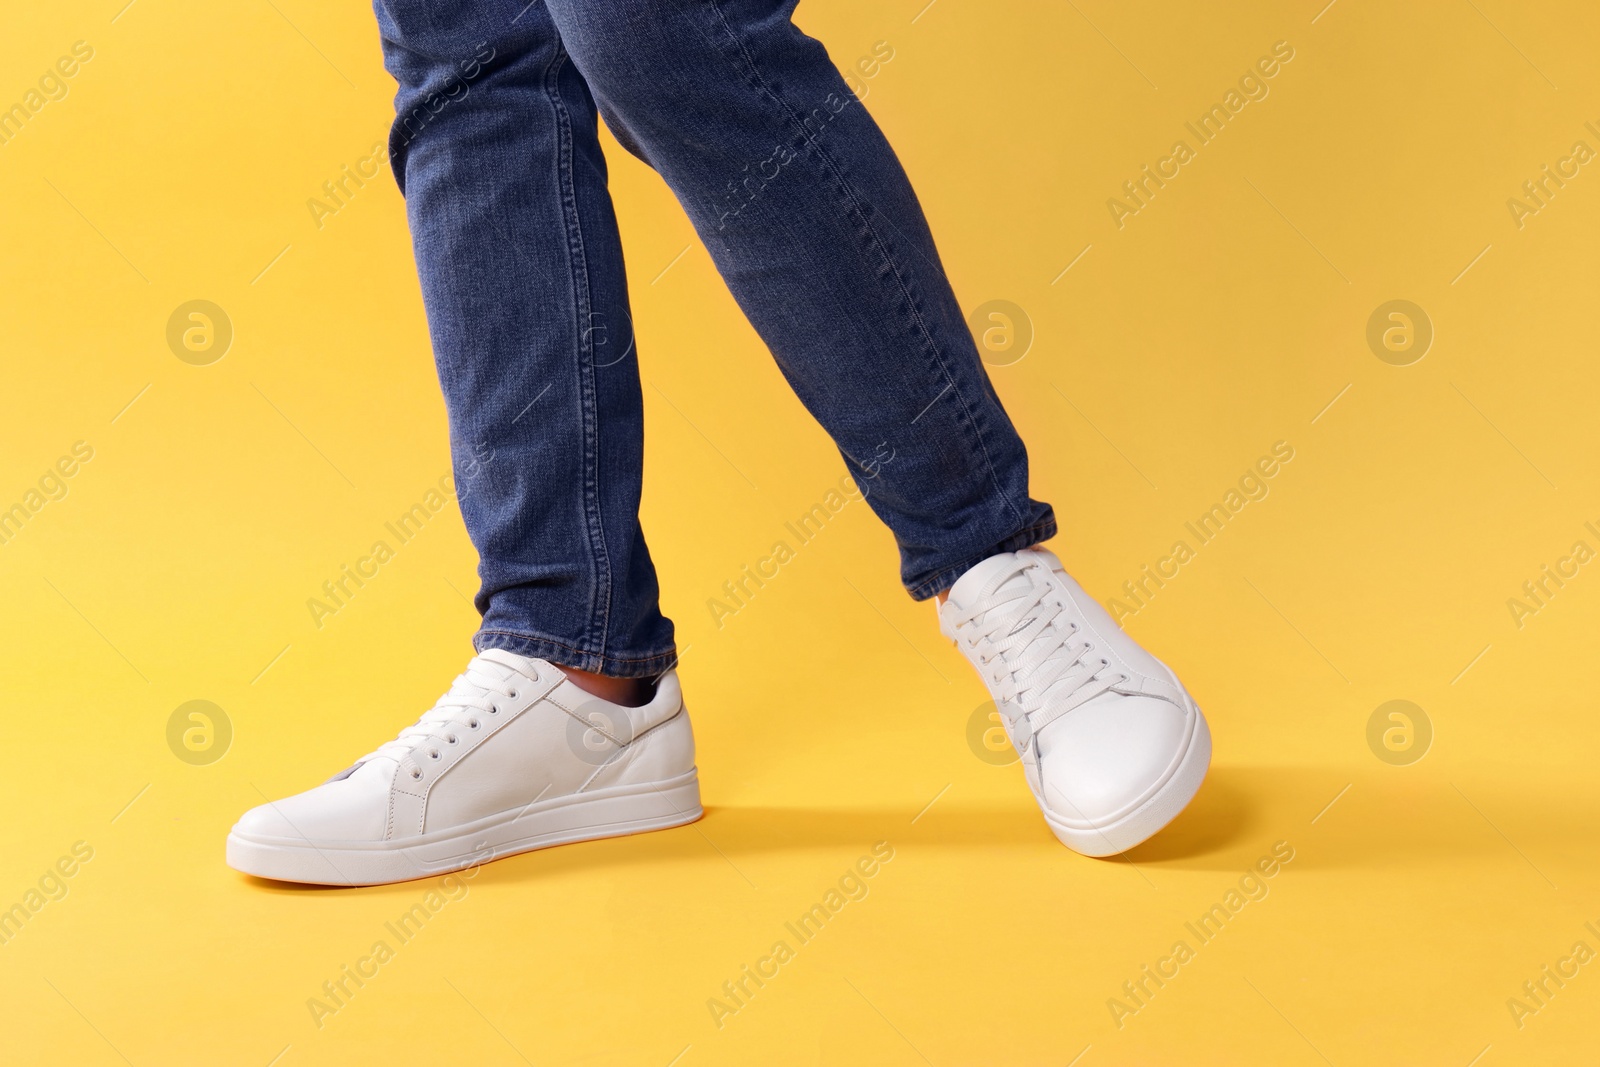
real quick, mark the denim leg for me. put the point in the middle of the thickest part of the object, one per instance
(495, 146)
(815, 228)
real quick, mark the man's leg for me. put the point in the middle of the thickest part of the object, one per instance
(816, 230)
(495, 145)
(814, 226)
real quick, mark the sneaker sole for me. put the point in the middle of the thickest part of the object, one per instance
(1145, 821)
(610, 812)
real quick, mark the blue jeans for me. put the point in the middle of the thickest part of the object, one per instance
(811, 222)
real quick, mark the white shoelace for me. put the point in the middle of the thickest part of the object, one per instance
(1030, 646)
(475, 694)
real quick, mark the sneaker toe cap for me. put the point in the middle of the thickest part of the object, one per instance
(347, 810)
(1102, 759)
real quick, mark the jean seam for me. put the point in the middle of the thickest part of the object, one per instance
(881, 248)
(600, 561)
(668, 655)
(945, 577)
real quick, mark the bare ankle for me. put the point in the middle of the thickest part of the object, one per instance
(628, 692)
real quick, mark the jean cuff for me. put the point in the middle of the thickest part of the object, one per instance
(942, 580)
(538, 646)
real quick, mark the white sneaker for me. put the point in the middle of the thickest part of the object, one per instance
(513, 758)
(1112, 744)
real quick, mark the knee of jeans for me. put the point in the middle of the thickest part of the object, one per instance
(643, 60)
(441, 54)
(443, 30)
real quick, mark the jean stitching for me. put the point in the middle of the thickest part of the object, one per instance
(600, 597)
(945, 577)
(546, 639)
(670, 654)
(880, 248)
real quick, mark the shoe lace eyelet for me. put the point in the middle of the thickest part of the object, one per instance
(473, 724)
(434, 754)
(451, 740)
(416, 772)
(494, 709)
(512, 694)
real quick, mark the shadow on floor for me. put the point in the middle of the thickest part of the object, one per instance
(1236, 816)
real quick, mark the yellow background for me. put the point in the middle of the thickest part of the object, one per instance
(1225, 316)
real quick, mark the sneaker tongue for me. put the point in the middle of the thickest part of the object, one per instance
(968, 594)
(969, 588)
(525, 664)
(389, 754)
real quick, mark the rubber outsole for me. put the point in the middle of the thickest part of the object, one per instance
(611, 812)
(1144, 822)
